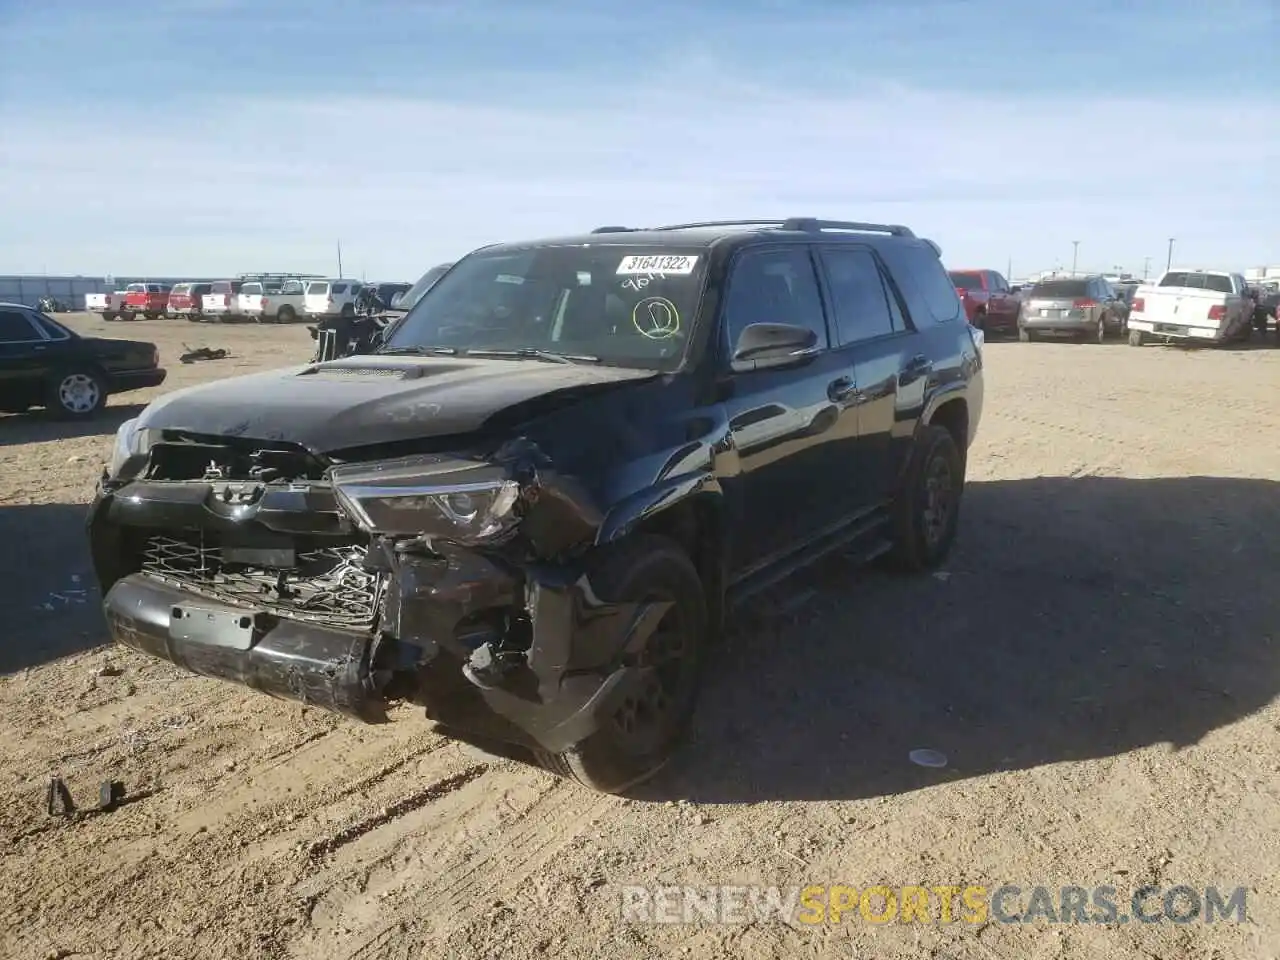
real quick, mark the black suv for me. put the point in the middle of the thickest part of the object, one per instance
(530, 507)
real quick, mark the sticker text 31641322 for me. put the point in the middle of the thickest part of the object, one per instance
(667, 265)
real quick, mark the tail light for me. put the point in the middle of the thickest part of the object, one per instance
(226, 299)
(265, 303)
(1084, 303)
(961, 292)
(1139, 305)
(1217, 312)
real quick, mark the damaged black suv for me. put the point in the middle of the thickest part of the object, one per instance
(530, 507)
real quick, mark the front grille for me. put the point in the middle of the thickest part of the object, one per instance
(325, 585)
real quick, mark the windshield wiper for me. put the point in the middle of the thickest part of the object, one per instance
(420, 351)
(535, 354)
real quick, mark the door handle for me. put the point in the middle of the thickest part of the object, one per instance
(842, 389)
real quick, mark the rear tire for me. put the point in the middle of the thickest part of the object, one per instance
(109, 316)
(638, 740)
(1025, 335)
(927, 510)
(126, 315)
(1136, 339)
(286, 314)
(78, 393)
(1100, 335)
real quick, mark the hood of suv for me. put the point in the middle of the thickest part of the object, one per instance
(362, 401)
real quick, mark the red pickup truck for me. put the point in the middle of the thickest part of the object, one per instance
(149, 299)
(988, 302)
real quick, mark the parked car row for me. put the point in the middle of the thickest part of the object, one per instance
(1183, 305)
(260, 297)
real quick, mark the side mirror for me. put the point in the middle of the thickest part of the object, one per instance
(769, 346)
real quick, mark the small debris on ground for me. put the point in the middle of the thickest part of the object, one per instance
(928, 758)
(203, 353)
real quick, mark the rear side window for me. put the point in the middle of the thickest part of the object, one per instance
(339, 288)
(291, 286)
(317, 287)
(858, 296)
(15, 327)
(930, 295)
(202, 288)
(222, 286)
(154, 288)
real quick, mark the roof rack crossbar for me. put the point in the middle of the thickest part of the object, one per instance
(721, 223)
(279, 276)
(814, 225)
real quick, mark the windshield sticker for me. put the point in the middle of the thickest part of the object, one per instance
(508, 278)
(656, 318)
(663, 266)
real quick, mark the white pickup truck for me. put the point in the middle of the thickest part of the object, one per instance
(273, 301)
(110, 305)
(1203, 306)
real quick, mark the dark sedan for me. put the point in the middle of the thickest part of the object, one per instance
(44, 364)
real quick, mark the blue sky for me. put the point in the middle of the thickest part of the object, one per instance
(216, 136)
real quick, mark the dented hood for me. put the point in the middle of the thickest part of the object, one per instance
(366, 400)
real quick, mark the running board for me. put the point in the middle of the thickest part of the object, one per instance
(865, 534)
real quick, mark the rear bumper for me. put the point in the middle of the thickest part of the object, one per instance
(1059, 324)
(1178, 331)
(137, 379)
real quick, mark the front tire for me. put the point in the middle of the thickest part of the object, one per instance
(1136, 339)
(927, 510)
(642, 734)
(76, 394)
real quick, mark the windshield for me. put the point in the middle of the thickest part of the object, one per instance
(629, 306)
(967, 281)
(1061, 288)
(425, 283)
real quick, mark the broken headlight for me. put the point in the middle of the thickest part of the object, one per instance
(469, 504)
(132, 444)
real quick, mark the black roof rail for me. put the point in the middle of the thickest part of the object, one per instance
(814, 225)
(614, 230)
(721, 223)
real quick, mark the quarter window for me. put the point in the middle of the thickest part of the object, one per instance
(16, 328)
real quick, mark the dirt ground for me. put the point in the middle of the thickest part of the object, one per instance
(1099, 663)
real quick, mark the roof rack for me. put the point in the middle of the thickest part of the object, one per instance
(280, 276)
(614, 230)
(814, 225)
(721, 223)
(803, 224)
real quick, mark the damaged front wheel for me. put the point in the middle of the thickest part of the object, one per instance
(640, 735)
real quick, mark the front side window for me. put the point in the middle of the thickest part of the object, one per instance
(625, 306)
(774, 286)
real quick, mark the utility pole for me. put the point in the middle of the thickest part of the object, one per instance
(1075, 250)
(1146, 267)
(1168, 264)
(1008, 270)
(339, 259)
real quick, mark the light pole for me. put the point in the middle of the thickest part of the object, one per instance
(1146, 267)
(1168, 264)
(1075, 250)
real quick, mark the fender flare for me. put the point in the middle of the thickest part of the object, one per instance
(625, 516)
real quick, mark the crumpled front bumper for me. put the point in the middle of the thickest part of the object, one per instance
(556, 688)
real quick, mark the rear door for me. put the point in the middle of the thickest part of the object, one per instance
(1000, 301)
(873, 335)
(793, 430)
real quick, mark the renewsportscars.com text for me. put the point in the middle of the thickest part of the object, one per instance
(840, 903)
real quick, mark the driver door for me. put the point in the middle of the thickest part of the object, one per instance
(793, 430)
